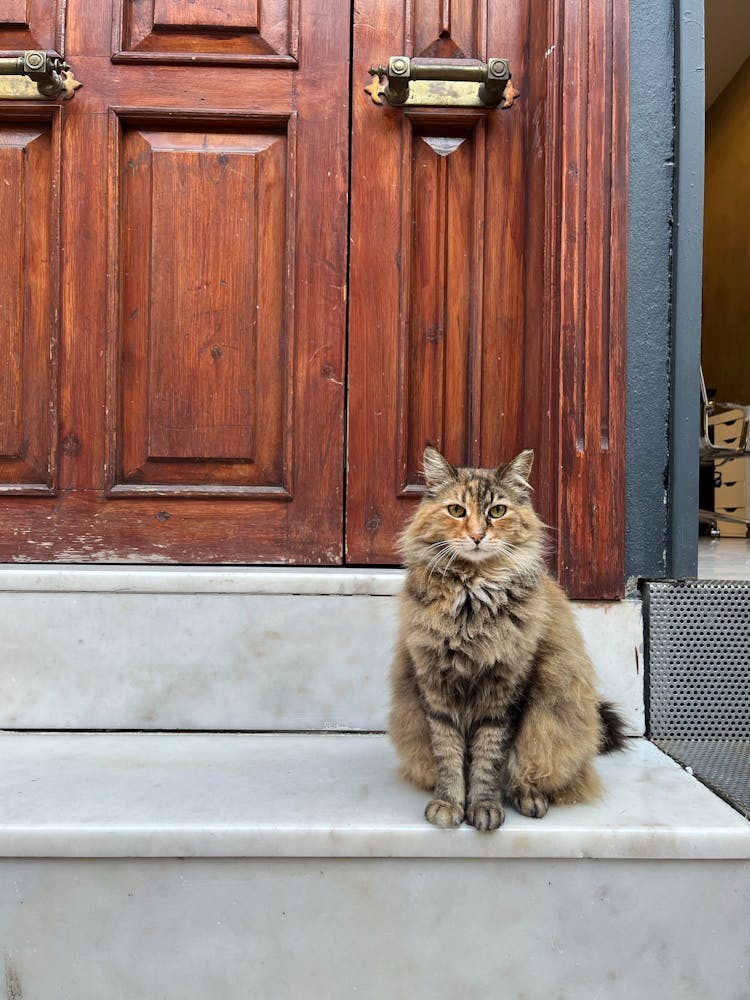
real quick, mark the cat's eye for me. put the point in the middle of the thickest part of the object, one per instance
(497, 510)
(456, 510)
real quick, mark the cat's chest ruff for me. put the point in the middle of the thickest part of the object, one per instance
(479, 609)
(469, 615)
(479, 601)
(472, 630)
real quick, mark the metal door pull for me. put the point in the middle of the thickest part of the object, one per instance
(466, 83)
(36, 76)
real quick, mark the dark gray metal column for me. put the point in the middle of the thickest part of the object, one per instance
(682, 552)
(651, 189)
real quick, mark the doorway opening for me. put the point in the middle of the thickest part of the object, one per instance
(725, 341)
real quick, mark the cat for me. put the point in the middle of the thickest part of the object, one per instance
(494, 698)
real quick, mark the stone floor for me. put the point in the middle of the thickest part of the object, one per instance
(724, 559)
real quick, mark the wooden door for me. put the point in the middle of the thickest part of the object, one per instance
(488, 254)
(172, 305)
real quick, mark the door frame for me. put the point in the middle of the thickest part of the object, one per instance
(589, 298)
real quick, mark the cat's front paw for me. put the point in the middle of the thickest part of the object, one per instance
(533, 803)
(444, 814)
(485, 815)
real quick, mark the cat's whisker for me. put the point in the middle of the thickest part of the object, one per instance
(444, 548)
(433, 565)
(451, 561)
(507, 548)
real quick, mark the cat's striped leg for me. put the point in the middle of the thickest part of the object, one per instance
(408, 726)
(487, 751)
(446, 809)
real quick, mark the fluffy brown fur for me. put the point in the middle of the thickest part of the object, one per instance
(494, 697)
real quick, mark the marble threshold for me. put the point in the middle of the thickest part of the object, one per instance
(322, 795)
(724, 559)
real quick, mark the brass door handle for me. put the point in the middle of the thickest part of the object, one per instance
(443, 82)
(36, 76)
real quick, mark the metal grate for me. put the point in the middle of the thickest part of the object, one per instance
(723, 765)
(698, 639)
(699, 659)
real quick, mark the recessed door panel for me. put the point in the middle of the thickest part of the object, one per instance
(441, 258)
(204, 358)
(28, 304)
(259, 32)
(31, 24)
(448, 28)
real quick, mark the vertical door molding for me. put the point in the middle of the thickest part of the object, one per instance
(588, 293)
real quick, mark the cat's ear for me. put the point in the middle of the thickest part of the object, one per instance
(519, 470)
(437, 470)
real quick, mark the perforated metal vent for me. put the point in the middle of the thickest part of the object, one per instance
(698, 639)
(699, 659)
(723, 765)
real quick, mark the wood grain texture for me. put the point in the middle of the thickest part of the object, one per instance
(592, 276)
(13, 211)
(441, 258)
(243, 14)
(487, 295)
(15, 12)
(270, 220)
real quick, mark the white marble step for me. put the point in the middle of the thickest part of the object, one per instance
(96, 795)
(109, 647)
(299, 867)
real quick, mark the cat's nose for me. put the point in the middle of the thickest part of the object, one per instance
(477, 536)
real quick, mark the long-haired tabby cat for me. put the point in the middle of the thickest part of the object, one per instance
(493, 696)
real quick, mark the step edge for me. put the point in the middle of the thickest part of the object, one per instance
(333, 581)
(666, 845)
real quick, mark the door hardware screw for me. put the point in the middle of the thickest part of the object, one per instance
(35, 60)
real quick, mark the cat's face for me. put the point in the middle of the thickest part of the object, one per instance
(473, 515)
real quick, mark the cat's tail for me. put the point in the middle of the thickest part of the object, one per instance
(613, 729)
